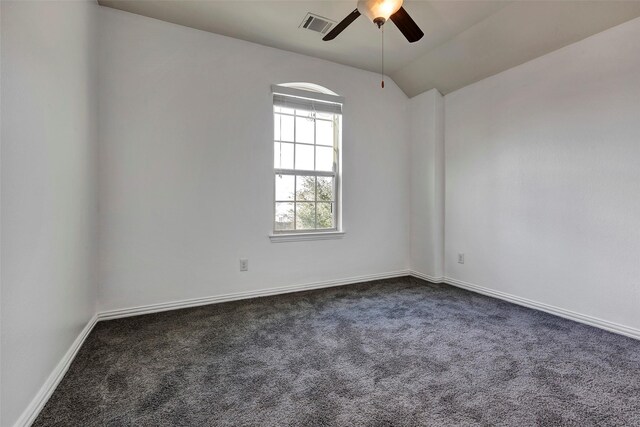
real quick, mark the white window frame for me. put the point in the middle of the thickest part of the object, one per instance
(309, 93)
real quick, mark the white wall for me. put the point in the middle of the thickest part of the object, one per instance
(426, 135)
(543, 178)
(48, 184)
(186, 167)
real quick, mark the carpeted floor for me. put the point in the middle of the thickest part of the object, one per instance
(397, 352)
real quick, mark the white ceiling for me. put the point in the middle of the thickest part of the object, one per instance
(464, 41)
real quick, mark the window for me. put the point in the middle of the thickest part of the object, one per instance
(306, 164)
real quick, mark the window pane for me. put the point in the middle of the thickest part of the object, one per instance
(283, 155)
(324, 132)
(304, 157)
(325, 189)
(286, 128)
(276, 127)
(284, 216)
(284, 187)
(304, 129)
(306, 188)
(324, 159)
(325, 215)
(305, 215)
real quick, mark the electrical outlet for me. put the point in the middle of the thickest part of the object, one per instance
(244, 264)
(460, 258)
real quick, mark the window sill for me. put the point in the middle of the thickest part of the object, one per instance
(301, 237)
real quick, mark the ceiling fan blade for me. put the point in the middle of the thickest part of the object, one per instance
(406, 25)
(342, 25)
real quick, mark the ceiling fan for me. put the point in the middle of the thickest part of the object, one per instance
(379, 11)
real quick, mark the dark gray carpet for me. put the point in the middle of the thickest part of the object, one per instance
(398, 352)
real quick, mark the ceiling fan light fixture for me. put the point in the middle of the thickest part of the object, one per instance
(379, 10)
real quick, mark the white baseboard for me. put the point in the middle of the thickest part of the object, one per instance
(428, 278)
(194, 302)
(30, 414)
(525, 302)
(561, 312)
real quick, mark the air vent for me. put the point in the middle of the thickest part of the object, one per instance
(316, 23)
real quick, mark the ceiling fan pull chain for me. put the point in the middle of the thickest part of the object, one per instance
(382, 74)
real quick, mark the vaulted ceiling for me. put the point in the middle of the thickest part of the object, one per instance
(465, 41)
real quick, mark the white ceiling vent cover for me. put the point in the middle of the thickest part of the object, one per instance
(316, 23)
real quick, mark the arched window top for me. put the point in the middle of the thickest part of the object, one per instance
(311, 87)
